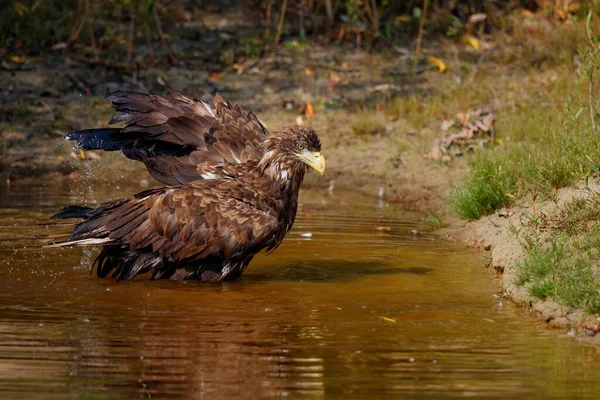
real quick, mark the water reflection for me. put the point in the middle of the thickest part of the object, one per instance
(359, 308)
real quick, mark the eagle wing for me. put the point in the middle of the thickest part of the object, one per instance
(208, 218)
(179, 139)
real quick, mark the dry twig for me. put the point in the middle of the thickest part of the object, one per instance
(280, 24)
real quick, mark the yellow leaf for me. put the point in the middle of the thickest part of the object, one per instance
(404, 18)
(473, 42)
(20, 8)
(309, 71)
(16, 59)
(439, 63)
(387, 319)
(509, 195)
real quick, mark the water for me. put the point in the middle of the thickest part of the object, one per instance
(352, 305)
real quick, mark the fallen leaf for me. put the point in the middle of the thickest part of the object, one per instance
(334, 79)
(473, 42)
(439, 63)
(488, 120)
(463, 118)
(447, 124)
(478, 17)
(309, 71)
(20, 8)
(387, 319)
(404, 18)
(308, 111)
(215, 76)
(16, 59)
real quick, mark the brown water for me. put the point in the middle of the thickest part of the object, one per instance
(361, 309)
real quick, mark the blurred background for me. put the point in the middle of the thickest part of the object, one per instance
(374, 77)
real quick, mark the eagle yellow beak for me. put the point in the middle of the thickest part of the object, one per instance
(315, 160)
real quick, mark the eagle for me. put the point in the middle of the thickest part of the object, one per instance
(231, 188)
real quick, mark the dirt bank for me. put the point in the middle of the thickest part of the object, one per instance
(498, 235)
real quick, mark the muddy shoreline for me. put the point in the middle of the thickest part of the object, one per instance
(494, 236)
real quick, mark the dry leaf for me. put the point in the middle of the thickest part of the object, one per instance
(334, 79)
(463, 118)
(473, 42)
(20, 8)
(560, 13)
(309, 111)
(439, 63)
(215, 76)
(16, 59)
(447, 124)
(478, 17)
(309, 71)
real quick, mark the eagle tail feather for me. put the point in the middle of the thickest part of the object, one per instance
(106, 139)
(73, 212)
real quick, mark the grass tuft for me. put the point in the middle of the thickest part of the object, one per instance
(565, 265)
(486, 190)
(367, 124)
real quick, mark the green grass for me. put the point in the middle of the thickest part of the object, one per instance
(543, 123)
(487, 189)
(367, 123)
(564, 270)
(546, 146)
(564, 264)
(435, 222)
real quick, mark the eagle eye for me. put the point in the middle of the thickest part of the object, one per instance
(300, 146)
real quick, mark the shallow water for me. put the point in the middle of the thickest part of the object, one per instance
(352, 305)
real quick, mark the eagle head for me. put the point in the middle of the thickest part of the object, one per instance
(294, 148)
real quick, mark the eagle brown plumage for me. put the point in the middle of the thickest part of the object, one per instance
(232, 188)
